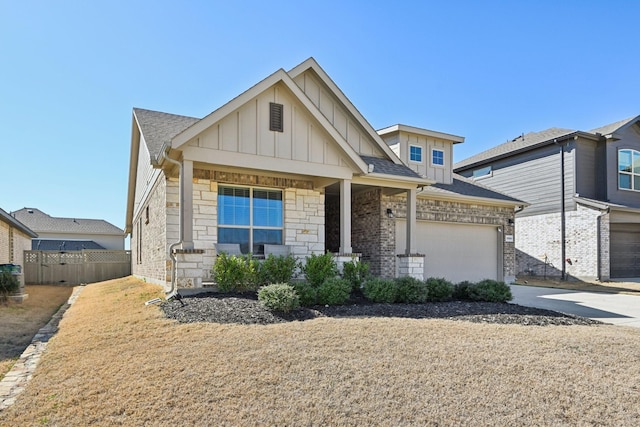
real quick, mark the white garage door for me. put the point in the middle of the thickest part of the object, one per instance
(456, 252)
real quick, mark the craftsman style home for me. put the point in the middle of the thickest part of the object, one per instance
(583, 190)
(291, 166)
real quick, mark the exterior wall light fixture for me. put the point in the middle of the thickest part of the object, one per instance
(390, 213)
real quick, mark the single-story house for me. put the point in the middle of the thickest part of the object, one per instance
(15, 238)
(70, 234)
(292, 162)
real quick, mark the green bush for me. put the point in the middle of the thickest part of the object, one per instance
(461, 290)
(490, 290)
(356, 273)
(277, 269)
(411, 290)
(439, 289)
(236, 273)
(9, 284)
(334, 291)
(380, 290)
(308, 294)
(318, 268)
(279, 297)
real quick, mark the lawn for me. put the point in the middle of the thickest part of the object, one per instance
(116, 361)
(19, 322)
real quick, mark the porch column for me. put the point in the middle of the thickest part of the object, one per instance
(345, 216)
(186, 204)
(411, 222)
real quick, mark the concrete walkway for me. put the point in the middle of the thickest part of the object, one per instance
(614, 308)
(16, 379)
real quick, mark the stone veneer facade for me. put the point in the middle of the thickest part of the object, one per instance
(540, 250)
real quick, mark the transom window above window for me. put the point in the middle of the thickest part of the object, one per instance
(251, 217)
(629, 169)
(437, 157)
(415, 153)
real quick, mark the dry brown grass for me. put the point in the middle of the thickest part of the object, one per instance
(20, 322)
(117, 362)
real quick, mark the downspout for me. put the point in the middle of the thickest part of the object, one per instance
(173, 293)
(563, 231)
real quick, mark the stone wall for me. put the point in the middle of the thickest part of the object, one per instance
(540, 249)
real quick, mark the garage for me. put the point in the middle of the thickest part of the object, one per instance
(456, 252)
(625, 250)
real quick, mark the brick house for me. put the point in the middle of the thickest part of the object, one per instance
(292, 162)
(583, 190)
(15, 238)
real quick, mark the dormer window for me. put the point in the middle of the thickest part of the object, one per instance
(629, 170)
(415, 153)
(437, 157)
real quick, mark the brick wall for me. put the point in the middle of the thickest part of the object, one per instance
(5, 253)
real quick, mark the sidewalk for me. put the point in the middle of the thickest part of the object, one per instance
(626, 286)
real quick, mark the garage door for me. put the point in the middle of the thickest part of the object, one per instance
(624, 258)
(456, 252)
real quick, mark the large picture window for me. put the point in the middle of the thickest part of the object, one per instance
(251, 217)
(629, 169)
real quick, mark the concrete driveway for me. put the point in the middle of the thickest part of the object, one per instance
(617, 309)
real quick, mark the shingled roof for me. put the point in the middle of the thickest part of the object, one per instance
(159, 128)
(13, 222)
(387, 167)
(462, 186)
(40, 222)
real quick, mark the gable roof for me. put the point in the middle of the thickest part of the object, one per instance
(159, 128)
(43, 223)
(387, 167)
(608, 130)
(13, 222)
(464, 188)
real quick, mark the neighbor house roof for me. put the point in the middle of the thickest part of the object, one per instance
(63, 245)
(43, 223)
(465, 187)
(13, 222)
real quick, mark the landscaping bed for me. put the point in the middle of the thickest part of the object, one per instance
(244, 308)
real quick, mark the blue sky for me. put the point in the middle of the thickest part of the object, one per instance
(71, 72)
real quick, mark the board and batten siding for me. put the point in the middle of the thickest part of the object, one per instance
(534, 177)
(338, 116)
(243, 139)
(629, 138)
(146, 177)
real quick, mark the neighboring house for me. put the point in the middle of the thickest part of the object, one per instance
(70, 234)
(585, 225)
(292, 162)
(15, 238)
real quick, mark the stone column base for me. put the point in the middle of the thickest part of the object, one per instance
(190, 268)
(341, 259)
(411, 265)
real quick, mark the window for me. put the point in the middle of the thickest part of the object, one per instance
(415, 153)
(482, 172)
(437, 157)
(629, 169)
(251, 217)
(276, 117)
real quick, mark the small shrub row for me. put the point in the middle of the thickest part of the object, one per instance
(485, 290)
(245, 273)
(279, 297)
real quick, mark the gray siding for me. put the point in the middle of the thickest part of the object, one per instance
(534, 177)
(629, 138)
(586, 170)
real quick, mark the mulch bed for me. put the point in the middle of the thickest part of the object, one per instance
(246, 309)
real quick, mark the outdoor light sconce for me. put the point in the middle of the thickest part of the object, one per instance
(510, 221)
(389, 213)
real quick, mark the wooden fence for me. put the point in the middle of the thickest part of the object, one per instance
(75, 267)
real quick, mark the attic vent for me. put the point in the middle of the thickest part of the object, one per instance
(275, 117)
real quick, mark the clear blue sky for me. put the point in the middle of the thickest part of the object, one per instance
(71, 72)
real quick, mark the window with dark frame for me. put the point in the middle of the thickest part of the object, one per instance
(629, 169)
(276, 113)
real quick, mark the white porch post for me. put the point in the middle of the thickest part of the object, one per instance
(186, 204)
(345, 216)
(411, 222)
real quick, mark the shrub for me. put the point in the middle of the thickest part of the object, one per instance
(380, 290)
(411, 290)
(236, 273)
(306, 293)
(318, 268)
(277, 269)
(490, 290)
(334, 291)
(279, 297)
(461, 290)
(439, 289)
(356, 273)
(9, 284)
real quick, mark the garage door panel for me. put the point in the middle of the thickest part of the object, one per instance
(625, 250)
(456, 252)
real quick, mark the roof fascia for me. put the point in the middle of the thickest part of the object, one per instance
(279, 76)
(420, 131)
(393, 181)
(337, 92)
(474, 199)
(133, 166)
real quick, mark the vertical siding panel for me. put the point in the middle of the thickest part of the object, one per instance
(247, 128)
